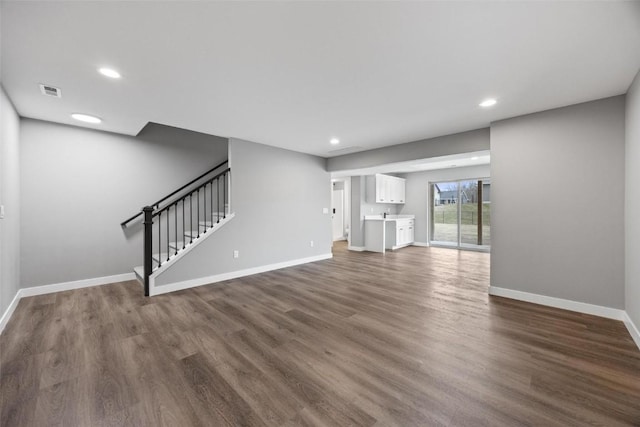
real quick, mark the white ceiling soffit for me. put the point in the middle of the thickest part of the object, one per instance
(296, 74)
(443, 162)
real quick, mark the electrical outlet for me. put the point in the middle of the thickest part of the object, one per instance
(1, 211)
(236, 254)
(311, 243)
(325, 210)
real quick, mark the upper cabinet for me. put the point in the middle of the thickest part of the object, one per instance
(386, 189)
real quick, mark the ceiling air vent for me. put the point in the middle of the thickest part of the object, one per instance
(50, 91)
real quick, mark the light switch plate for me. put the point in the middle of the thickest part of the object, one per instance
(1, 211)
(325, 210)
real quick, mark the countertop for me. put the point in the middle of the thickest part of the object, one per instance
(388, 218)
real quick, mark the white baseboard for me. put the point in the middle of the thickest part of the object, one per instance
(177, 286)
(356, 248)
(565, 304)
(9, 311)
(59, 287)
(632, 328)
(422, 244)
(77, 284)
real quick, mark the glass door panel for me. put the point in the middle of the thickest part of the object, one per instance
(444, 224)
(469, 213)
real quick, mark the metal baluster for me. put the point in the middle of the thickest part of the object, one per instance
(191, 217)
(198, 213)
(224, 199)
(183, 236)
(159, 238)
(204, 191)
(168, 218)
(211, 198)
(175, 214)
(218, 199)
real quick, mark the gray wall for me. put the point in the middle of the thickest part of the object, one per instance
(278, 197)
(632, 206)
(417, 193)
(10, 198)
(79, 184)
(572, 246)
(465, 142)
(356, 232)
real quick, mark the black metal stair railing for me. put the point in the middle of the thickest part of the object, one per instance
(157, 204)
(176, 220)
(203, 200)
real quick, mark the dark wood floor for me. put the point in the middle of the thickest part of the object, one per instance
(407, 338)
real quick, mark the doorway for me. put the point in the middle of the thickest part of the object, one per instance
(339, 220)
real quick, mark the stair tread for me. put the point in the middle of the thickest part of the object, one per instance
(179, 244)
(192, 234)
(139, 270)
(162, 255)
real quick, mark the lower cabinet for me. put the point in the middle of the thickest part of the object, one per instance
(399, 233)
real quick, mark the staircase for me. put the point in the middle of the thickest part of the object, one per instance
(179, 221)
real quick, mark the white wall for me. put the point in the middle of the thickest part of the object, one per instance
(278, 198)
(10, 198)
(78, 185)
(557, 211)
(632, 203)
(417, 193)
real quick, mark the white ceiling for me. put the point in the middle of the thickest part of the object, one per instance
(295, 74)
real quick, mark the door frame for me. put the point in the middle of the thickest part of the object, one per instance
(430, 217)
(346, 208)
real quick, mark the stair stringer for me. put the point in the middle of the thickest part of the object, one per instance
(184, 252)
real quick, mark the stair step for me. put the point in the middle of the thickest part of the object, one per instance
(190, 235)
(162, 256)
(177, 245)
(139, 273)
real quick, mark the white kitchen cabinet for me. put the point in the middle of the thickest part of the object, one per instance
(399, 233)
(397, 190)
(387, 189)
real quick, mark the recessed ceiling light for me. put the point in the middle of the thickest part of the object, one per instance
(488, 102)
(86, 118)
(109, 72)
(334, 141)
(475, 158)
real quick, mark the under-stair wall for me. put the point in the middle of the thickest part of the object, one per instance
(78, 185)
(278, 197)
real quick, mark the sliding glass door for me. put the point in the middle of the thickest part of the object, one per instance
(460, 214)
(444, 220)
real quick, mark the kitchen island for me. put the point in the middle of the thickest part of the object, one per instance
(388, 233)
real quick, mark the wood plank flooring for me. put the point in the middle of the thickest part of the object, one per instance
(409, 338)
